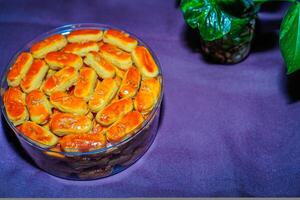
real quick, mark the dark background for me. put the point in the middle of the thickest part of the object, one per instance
(225, 130)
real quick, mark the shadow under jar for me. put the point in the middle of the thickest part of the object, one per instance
(99, 163)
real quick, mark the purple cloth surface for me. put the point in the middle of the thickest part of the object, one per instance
(225, 130)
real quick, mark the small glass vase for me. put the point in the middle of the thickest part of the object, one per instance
(232, 48)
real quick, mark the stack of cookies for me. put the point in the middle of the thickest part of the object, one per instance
(82, 91)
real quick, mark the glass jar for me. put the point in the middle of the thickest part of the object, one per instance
(233, 47)
(94, 164)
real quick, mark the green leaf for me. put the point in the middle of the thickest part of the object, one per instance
(264, 1)
(290, 38)
(211, 21)
(239, 24)
(240, 32)
(239, 8)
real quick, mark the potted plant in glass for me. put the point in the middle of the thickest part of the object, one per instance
(226, 29)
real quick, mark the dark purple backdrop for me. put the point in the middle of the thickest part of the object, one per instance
(225, 130)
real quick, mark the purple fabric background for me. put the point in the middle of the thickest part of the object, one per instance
(225, 130)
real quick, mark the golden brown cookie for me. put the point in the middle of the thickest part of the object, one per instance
(68, 103)
(130, 83)
(90, 115)
(55, 152)
(100, 44)
(37, 134)
(52, 43)
(118, 80)
(145, 62)
(103, 94)
(97, 128)
(35, 75)
(120, 73)
(81, 49)
(103, 68)
(14, 103)
(50, 72)
(121, 39)
(85, 35)
(58, 59)
(19, 69)
(147, 96)
(86, 83)
(38, 106)
(116, 56)
(60, 81)
(82, 142)
(114, 111)
(124, 127)
(67, 123)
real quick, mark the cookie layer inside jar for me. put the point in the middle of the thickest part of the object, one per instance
(93, 100)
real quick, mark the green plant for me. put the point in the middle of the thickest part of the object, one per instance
(216, 18)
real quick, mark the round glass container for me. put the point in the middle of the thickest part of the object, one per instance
(233, 47)
(94, 164)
